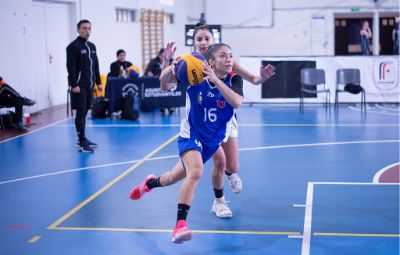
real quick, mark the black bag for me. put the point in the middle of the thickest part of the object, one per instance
(130, 107)
(8, 119)
(99, 108)
(353, 88)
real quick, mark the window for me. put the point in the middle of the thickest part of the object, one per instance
(125, 15)
(169, 18)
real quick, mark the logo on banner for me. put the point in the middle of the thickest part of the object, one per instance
(130, 89)
(386, 75)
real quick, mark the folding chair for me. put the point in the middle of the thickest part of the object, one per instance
(310, 79)
(349, 78)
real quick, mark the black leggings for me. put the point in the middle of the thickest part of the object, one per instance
(80, 123)
(81, 102)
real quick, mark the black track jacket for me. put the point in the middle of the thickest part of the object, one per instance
(83, 68)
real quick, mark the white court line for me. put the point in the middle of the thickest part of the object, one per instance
(241, 125)
(317, 144)
(375, 112)
(306, 244)
(35, 130)
(387, 108)
(380, 172)
(317, 125)
(124, 125)
(81, 169)
(175, 156)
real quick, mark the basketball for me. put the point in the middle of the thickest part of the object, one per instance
(189, 69)
(133, 71)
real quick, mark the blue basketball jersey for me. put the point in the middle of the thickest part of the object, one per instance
(207, 113)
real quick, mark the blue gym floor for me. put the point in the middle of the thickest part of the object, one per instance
(307, 187)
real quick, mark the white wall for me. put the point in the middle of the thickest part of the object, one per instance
(289, 35)
(21, 66)
(16, 57)
(110, 36)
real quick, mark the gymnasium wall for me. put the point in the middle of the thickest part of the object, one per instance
(297, 28)
(291, 32)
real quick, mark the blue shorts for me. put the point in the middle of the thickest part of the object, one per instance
(185, 144)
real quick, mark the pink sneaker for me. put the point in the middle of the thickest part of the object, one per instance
(181, 232)
(140, 189)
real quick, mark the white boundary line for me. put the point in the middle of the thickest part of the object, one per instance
(380, 172)
(387, 108)
(242, 125)
(35, 130)
(81, 169)
(369, 111)
(317, 144)
(175, 156)
(122, 125)
(306, 244)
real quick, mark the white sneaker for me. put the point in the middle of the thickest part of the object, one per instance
(221, 209)
(235, 182)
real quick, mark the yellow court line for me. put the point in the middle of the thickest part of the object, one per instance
(356, 235)
(168, 231)
(108, 185)
(34, 239)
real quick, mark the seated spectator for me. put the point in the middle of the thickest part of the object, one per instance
(154, 69)
(11, 98)
(119, 67)
(155, 65)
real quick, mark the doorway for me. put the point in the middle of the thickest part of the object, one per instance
(347, 33)
(53, 34)
(386, 26)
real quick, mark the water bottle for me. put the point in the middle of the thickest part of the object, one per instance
(136, 103)
(26, 119)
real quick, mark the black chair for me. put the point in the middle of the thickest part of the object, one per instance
(349, 80)
(2, 126)
(310, 79)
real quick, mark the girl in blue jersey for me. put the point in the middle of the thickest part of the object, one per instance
(226, 158)
(211, 106)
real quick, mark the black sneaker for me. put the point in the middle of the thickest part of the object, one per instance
(84, 147)
(27, 101)
(90, 143)
(21, 128)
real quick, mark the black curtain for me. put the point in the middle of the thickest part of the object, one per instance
(286, 82)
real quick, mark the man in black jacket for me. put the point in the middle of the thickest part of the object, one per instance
(83, 72)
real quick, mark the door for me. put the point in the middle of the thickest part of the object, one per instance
(57, 39)
(51, 31)
(386, 26)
